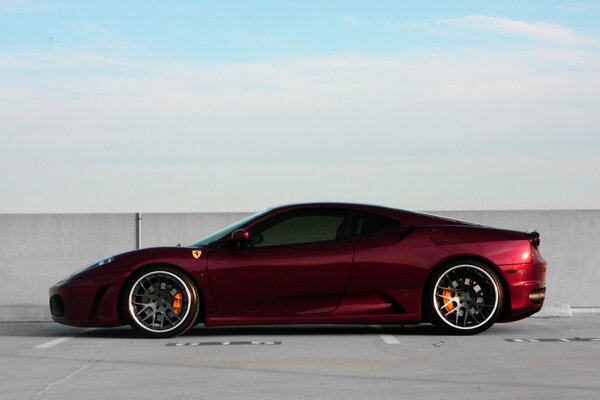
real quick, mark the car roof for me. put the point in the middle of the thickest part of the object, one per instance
(352, 206)
(407, 217)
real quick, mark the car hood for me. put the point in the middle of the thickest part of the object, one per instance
(131, 260)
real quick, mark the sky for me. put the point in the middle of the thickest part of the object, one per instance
(197, 106)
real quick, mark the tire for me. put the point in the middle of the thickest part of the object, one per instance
(465, 297)
(160, 302)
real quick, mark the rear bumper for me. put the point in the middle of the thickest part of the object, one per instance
(88, 302)
(522, 306)
(526, 289)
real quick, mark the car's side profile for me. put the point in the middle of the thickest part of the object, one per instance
(316, 263)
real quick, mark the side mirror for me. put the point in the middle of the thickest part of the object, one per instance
(239, 235)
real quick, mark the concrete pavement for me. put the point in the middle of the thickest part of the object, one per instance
(553, 358)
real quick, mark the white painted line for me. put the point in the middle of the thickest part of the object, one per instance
(53, 342)
(389, 339)
(72, 374)
(585, 310)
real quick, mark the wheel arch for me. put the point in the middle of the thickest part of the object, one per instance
(147, 267)
(462, 259)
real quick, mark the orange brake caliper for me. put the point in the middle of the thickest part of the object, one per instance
(177, 303)
(448, 294)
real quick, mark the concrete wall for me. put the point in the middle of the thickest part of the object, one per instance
(184, 228)
(37, 250)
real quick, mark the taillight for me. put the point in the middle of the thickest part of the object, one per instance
(536, 256)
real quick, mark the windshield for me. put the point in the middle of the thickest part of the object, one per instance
(213, 237)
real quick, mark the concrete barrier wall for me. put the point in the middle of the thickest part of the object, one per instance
(37, 250)
(183, 228)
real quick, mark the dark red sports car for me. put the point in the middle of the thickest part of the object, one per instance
(316, 263)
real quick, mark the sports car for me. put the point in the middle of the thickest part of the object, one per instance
(316, 263)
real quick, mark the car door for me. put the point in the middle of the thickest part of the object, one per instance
(379, 272)
(294, 263)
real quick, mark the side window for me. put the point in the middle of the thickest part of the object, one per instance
(301, 226)
(364, 223)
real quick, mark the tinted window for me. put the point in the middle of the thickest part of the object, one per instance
(302, 226)
(364, 223)
(207, 240)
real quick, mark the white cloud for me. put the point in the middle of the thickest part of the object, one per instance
(349, 20)
(448, 128)
(530, 29)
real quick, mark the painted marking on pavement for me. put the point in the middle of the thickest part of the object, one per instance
(549, 340)
(65, 378)
(53, 342)
(389, 339)
(234, 343)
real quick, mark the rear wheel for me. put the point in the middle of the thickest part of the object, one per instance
(466, 297)
(161, 302)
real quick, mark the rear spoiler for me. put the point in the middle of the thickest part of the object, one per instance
(534, 237)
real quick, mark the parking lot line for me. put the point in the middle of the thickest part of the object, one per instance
(67, 377)
(389, 339)
(53, 342)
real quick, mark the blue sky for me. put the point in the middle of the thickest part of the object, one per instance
(233, 31)
(236, 106)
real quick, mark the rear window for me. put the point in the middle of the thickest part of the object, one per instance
(364, 223)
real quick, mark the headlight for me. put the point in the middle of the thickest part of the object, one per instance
(96, 265)
(105, 261)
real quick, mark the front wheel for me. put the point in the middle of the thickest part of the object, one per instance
(466, 297)
(161, 302)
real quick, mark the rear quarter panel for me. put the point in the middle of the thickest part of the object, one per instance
(400, 269)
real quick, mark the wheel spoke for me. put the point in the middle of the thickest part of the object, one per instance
(480, 311)
(144, 289)
(447, 304)
(150, 284)
(446, 288)
(144, 309)
(458, 279)
(451, 311)
(169, 318)
(147, 316)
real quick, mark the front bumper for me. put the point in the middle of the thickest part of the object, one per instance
(86, 302)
